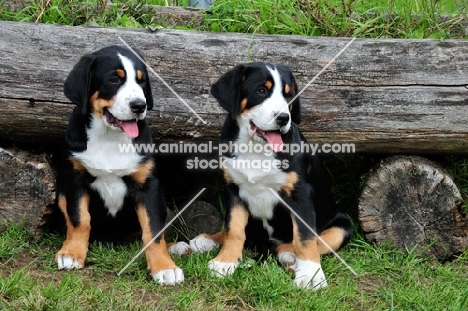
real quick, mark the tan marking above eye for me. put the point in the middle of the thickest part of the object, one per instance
(286, 89)
(121, 73)
(139, 75)
(268, 84)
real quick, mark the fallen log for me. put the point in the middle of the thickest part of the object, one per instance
(390, 96)
(414, 204)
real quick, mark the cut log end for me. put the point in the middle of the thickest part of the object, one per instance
(28, 190)
(413, 203)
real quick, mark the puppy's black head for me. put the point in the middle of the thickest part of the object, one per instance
(249, 85)
(113, 84)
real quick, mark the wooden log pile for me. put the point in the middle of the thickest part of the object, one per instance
(388, 96)
(384, 96)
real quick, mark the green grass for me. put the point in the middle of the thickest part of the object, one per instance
(387, 280)
(346, 18)
(129, 14)
(343, 18)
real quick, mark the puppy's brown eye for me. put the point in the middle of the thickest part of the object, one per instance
(262, 92)
(115, 80)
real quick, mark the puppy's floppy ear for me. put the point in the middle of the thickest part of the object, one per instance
(295, 107)
(76, 86)
(227, 90)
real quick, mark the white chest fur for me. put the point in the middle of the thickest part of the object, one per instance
(104, 160)
(255, 182)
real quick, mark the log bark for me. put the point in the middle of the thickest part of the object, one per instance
(14, 4)
(390, 96)
(413, 203)
(177, 16)
(27, 189)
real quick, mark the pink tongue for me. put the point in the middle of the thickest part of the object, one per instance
(130, 128)
(275, 140)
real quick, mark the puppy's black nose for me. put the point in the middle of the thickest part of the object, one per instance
(282, 119)
(138, 105)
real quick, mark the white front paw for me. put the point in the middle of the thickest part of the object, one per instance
(287, 260)
(66, 262)
(309, 274)
(169, 276)
(221, 269)
(180, 248)
(201, 244)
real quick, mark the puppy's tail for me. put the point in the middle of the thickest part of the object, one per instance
(336, 235)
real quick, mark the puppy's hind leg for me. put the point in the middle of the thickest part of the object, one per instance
(286, 256)
(202, 243)
(206, 242)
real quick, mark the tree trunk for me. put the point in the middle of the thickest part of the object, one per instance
(27, 189)
(414, 203)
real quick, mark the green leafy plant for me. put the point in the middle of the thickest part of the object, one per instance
(340, 18)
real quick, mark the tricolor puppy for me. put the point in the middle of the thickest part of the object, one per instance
(112, 93)
(256, 95)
